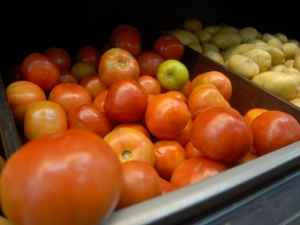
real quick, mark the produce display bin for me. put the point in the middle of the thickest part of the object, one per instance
(214, 196)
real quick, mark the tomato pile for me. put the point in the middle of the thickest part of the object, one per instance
(111, 130)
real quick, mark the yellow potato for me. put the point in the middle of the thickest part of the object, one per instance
(257, 41)
(282, 84)
(290, 63)
(294, 41)
(297, 62)
(185, 37)
(243, 66)
(278, 56)
(296, 102)
(206, 34)
(226, 40)
(275, 42)
(279, 68)
(229, 29)
(282, 37)
(290, 49)
(192, 25)
(215, 56)
(266, 37)
(196, 47)
(249, 34)
(285, 69)
(240, 49)
(207, 47)
(261, 57)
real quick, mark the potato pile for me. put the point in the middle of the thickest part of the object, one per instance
(272, 61)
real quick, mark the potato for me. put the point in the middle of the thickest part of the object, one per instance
(297, 62)
(207, 47)
(261, 57)
(226, 40)
(266, 37)
(257, 41)
(282, 37)
(185, 37)
(243, 66)
(206, 34)
(278, 56)
(282, 84)
(192, 25)
(294, 41)
(196, 47)
(275, 42)
(249, 34)
(296, 102)
(215, 56)
(290, 50)
(279, 68)
(241, 49)
(228, 29)
(285, 69)
(290, 63)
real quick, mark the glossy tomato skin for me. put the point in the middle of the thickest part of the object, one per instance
(99, 101)
(187, 89)
(67, 78)
(218, 79)
(60, 58)
(185, 134)
(195, 170)
(130, 144)
(221, 134)
(125, 102)
(166, 116)
(74, 166)
(136, 126)
(44, 117)
(140, 183)
(165, 186)
(38, 69)
(273, 130)
(90, 118)
(248, 157)
(127, 37)
(21, 94)
(169, 47)
(149, 84)
(70, 95)
(191, 151)
(149, 62)
(176, 94)
(252, 114)
(93, 84)
(117, 64)
(88, 54)
(169, 155)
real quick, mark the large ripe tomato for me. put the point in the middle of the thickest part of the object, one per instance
(67, 78)
(93, 84)
(204, 96)
(38, 69)
(118, 64)
(58, 176)
(82, 69)
(165, 186)
(166, 116)
(125, 102)
(149, 62)
(150, 85)
(99, 101)
(176, 94)
(88, 54)
(195, 170)
(136, 126)
(191, 151)
(20, 94)
(44, 117)
(221, 134)
(169, 155)
(130, 144)
(187, 89)
(185, 134)
(90, 118)
(273, 130)
(70, 95)
(140, 183)
(127, 37)
(60, 58)
(252, 114)
(221, 82)
(169, 47)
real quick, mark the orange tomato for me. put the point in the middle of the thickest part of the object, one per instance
(187, 89)
(88, 54)
(99, 101)
(130, 144)
(90, 118)
(136, 126)
(169, 47)
(251, 115)
(176, 94)
(191, 151)
(60, 58)
(60, 175)
(169, 155)
(44, 117)
(149, 62)
(185, 134)
(21, 94)
(93, 84)
(149, 84)
(140, 183)
(70, 95)
(248, 157)
(165, 186)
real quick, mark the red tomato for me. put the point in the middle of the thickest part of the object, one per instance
(60, 58)
(252, 114)
(21, 94)
(125, 102)
(130, 144)
(218, 79)
(187, 89)
(176, 94)
(150, 85)
(136, 126)
(81, 70)
(185, 134)
(128, 38)
(90, 118)
(93, 84)
(221, 134)
(67, 78)
(165, 186)
(44, 117)
(99, 101)
(166, 116)
(60, 175)
(70, 95)
(149, 62)
(191, 151)
(38, 69)
(140, 183)
(169, 155)
(118, 64)
(195, 170)
(273, 130)
(248, 157)
(169, 47)
(88, 54)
